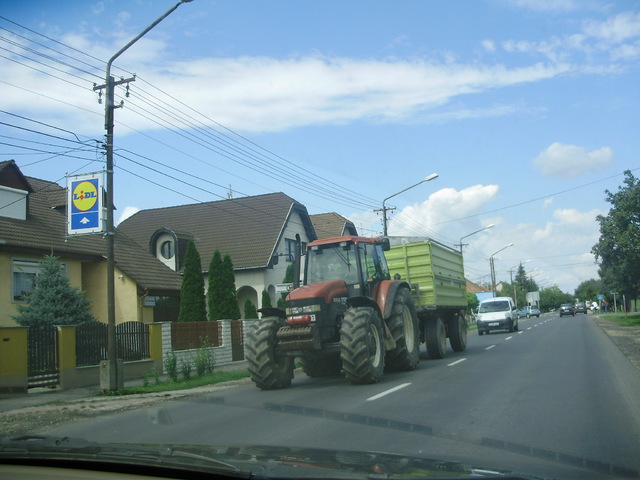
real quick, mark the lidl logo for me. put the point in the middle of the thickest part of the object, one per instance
(84, 195)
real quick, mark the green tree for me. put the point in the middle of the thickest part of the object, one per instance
(618, 249)
(216, 287)
(266, 300)
(472, 302)
(552, 297)
(192, 302)
(230, 299)
(250, 309)
(53, 300)
(288, 278)
(588, 290)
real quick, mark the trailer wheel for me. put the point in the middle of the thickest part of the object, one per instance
(403, 325)
(268, 369)
(315, 365)
(362, 346)
(458, 333)
(436, 336)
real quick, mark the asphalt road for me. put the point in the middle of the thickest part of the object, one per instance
(556, 399)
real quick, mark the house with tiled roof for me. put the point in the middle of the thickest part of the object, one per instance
(259, 233)
(332, 224)
(33, 224)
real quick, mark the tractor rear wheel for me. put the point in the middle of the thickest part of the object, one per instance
(268, 369)
(458, 333)
(436, 336)
(403, 325)
(362, 345)
(315, 365)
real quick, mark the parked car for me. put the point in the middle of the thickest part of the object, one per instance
(581, 307)
(529, 311)
(567, 309)
(497, 313)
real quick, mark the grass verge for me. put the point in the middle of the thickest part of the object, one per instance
(170, 385)
(632, 320)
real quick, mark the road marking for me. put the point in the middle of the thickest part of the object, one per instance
(529, 328)
(387, 392)
(456, 362)
(509, 338)
(489, 347)
(520, 332)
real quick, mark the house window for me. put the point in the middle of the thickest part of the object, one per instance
(24, 277)
(167, 249)
(290, 246)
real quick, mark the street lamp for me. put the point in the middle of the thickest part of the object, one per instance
(493, 270)
(111, 380)
(473, 233)
(428, 178)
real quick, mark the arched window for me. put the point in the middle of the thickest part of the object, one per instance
(167, 249)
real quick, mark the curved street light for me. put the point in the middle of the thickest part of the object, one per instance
(493, 270)
(491, 225)
(428, 178)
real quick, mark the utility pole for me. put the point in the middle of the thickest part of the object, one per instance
(111, 378)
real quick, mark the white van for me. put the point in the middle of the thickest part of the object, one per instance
(497, 313)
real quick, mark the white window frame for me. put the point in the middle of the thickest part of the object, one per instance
(27, 267)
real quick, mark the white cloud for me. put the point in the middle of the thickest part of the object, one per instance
(616, 29)
(560, 160)
(489, 45)
(126, 213)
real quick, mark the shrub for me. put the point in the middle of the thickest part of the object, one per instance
(171, 365)
(186, 367)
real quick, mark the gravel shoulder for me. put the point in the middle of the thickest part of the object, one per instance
(37, 419)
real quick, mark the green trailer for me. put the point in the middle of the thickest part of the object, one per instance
(436, 275)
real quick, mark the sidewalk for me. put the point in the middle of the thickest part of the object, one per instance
(44, 395)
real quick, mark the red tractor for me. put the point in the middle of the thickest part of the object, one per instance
(348, 315)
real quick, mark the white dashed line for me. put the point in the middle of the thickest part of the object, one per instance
(456, 362)
(509, 338)
(489, 347)
(387, 392)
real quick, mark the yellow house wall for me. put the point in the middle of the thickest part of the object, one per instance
(8, 308)
(126, 292)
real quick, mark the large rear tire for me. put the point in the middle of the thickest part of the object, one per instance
(362, 345)
(315, 365)
(268, 370)
(436, 337)
(458, 333)
(403, 325)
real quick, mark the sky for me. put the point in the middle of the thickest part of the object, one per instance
(528, 111)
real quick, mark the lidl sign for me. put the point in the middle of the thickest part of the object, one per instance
(84, 204)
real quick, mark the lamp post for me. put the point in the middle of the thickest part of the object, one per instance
(493, 270)
(473, 233)
(110, 380)
(433, 176)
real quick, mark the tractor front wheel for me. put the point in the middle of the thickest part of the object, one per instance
(268, 369)
(362, 345)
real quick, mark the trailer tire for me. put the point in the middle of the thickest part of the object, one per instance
(268, 370)
(362, 345)
(458, 333)
(436, 336)
(403, 325)
(314, 365)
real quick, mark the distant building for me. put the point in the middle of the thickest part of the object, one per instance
(331, 224)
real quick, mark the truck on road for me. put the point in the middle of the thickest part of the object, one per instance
(363, 308)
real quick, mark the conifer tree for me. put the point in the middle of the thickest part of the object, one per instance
(215, 289)
(192, 302)
(230, 300)
(250, 310)
(266, 300)
(53, 300)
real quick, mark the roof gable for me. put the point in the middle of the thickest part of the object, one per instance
(332, 224)
(246, 228)
(11, 176)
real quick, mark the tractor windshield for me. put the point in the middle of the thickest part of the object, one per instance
(332, 262)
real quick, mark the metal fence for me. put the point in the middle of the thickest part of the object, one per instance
(42, 354)
(132, 342)
(189, 335)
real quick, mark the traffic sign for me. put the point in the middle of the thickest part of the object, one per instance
(84, 204)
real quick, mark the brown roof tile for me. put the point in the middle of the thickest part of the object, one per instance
(331, 224)
(246, 228)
